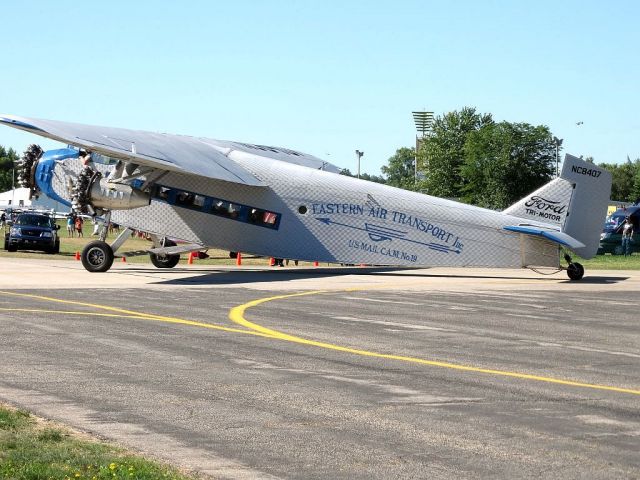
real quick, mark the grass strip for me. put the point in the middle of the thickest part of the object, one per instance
(32, 449)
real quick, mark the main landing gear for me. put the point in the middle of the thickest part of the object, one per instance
(575, 271)
(98, 256)
(165, 260)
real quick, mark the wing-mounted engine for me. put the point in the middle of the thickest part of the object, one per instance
(92, 192)
(73, 178)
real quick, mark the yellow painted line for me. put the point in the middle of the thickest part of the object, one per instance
(72, 312)
(236, 315)
(73, 302)
(123, 313)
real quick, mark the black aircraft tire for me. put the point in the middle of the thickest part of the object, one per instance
(575, 271)
(165, 261)
(97, 256)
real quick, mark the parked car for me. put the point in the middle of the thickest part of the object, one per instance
(32, 231)
(611, 236)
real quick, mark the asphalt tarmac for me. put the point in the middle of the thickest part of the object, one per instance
(333, 373)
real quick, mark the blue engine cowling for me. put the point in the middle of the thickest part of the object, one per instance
(45, 171)
(85, 187)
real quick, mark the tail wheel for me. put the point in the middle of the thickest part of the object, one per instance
(97, 256)
(165, 261)
(575, 271)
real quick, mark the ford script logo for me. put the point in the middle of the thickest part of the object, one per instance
(545, 205)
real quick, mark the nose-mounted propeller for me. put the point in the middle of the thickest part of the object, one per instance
(26, 166)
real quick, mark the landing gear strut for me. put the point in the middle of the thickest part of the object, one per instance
(575, 271)
(165, 261)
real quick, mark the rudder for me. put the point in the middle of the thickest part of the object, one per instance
(588, 207)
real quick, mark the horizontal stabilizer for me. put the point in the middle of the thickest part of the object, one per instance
(554, 236)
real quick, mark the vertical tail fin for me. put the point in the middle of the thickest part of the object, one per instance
(588, 207)
(549, 204)
(575, 203)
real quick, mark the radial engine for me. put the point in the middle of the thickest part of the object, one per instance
(86, 182)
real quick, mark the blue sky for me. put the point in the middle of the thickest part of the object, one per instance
(325, 77)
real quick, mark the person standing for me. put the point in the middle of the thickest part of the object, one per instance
(627, 236)
(79, 223)
(70, 225)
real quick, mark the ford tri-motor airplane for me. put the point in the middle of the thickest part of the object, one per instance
(282, 203)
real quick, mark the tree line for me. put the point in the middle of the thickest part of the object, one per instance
(7, 159)
(468, 157)
(626, 180)
(472, 158)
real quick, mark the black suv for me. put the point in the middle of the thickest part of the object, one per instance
(33, 231)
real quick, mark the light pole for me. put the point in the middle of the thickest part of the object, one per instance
(359, 154)
(557, 142)
(424, 125)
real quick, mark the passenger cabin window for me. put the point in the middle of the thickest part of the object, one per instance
(198, 201)
(185, 199)
(162, 193)
(263, 217)
(218, 207)
(221, 208)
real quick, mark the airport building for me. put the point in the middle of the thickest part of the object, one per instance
(19, 199)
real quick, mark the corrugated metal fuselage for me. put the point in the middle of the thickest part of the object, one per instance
(334, 218)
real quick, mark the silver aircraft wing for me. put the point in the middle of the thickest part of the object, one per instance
(178, 153)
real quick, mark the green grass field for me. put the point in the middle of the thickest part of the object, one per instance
(610, 262)
(31, 449)
(70, 245)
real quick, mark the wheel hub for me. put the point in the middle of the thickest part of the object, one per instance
(96, 257)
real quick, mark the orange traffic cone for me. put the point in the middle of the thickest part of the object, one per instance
(315, 264)
(272, 262)
(124, 259)
(190, 260)
(239, 259)
(77, 255)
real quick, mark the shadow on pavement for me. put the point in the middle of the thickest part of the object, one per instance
(220, 276)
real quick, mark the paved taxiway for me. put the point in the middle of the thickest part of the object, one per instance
(295, 373)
